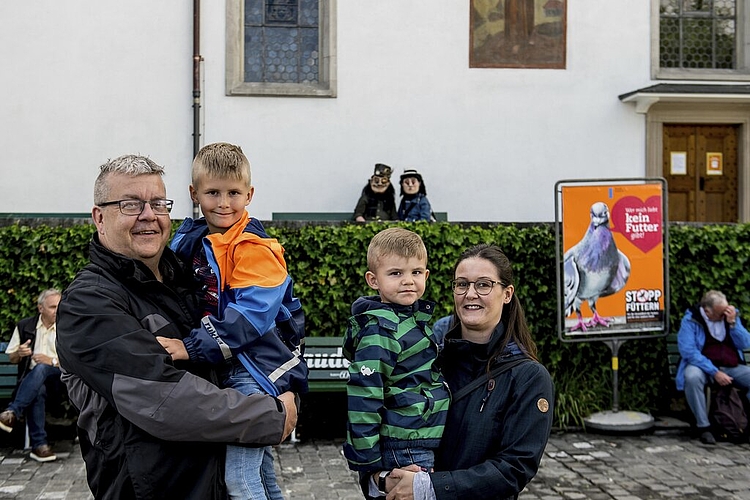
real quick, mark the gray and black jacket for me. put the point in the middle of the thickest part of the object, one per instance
(148, 429)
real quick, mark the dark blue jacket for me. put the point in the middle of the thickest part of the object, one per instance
(493, 440)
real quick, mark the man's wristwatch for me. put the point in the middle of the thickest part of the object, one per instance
(381, 480)
(54, 362)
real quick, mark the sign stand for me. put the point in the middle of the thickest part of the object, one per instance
(612, 272)
(616, 420)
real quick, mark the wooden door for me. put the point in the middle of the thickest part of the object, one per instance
(700, 166)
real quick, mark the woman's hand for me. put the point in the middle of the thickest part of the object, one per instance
(404, 481)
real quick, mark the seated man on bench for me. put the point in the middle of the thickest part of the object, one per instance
(32, 347)
(710, 340)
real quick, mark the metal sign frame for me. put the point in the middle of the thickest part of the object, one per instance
(646, 308)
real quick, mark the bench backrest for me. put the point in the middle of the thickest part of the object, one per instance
(331, 216)
(328, 367)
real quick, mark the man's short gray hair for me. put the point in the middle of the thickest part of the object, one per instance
(713, 298)
(131, 165)
(43, 296)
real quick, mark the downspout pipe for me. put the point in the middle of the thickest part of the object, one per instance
(196, 86)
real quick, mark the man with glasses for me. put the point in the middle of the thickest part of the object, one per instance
(148, 428)
(378, 199)
(711, 339)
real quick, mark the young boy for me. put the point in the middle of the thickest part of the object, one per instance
(253, 325)
(397, 399)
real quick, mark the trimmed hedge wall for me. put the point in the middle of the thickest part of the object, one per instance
(328, 262)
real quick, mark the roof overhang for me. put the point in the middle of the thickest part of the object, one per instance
(692, 93)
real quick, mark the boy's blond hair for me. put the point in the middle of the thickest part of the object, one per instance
(395, 241)
(222, 160)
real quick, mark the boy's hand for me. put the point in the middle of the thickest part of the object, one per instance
(174, 347)
(288, 400)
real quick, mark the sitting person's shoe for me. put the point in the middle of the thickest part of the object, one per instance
(707, 437)
(43, 454)
(7, 420)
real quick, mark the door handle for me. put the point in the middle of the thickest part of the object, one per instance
(702, 183)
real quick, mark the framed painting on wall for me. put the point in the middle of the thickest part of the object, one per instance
(517, 34)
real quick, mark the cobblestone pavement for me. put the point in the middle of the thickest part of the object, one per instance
(660, 465)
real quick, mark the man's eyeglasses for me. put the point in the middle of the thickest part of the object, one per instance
(482, 286)
(379, 181)
(135, 207)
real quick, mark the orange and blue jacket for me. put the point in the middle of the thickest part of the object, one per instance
(259, 322)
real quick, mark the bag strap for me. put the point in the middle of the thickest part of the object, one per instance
(504, 367)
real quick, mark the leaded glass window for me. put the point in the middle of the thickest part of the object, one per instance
(281, 41)
(698, 34)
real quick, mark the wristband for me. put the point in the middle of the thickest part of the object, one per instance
(381, 481)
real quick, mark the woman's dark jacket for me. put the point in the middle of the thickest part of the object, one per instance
(491, 447)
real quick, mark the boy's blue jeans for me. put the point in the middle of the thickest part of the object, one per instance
(249, 472)
(30, 398)
(397, 458)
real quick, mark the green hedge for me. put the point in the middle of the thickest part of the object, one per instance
(328, 264)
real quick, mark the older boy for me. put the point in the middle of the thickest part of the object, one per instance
(254, 325)
(397, 399)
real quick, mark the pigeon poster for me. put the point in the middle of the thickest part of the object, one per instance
(613, 259)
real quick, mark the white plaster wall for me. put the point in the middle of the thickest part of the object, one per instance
(88, 80)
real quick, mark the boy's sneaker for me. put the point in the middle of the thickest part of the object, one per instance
(43, 454)
(7, 420)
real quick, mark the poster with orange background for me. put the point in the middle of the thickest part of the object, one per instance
(613, 259)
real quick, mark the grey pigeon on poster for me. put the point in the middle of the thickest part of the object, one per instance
(594, 268)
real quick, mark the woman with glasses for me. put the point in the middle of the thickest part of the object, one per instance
(501, 408)
(378, 199)
(414, 204)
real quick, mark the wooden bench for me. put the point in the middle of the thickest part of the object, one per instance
(8, 374)
(331, 216)
(328, 367)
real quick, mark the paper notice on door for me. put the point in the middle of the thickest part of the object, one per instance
(714, 164)
(678, 163)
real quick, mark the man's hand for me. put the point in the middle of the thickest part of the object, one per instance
(23, 351)
(722, 378)
(42, 359)
(175, 348)
(290, 405)
(401, 483)
(730, 313)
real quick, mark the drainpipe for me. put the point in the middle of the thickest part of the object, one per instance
(196, 86)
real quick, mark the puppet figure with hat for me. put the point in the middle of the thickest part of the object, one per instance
(414, 203)
(378, 199)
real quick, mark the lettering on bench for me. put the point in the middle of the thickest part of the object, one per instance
(327, 365)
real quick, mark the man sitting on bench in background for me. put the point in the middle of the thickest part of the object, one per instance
(32, 347)
(710, 340)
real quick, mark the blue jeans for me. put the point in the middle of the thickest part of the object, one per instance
(30, 398)
(249, 471)
(397, 458)
(695, 383)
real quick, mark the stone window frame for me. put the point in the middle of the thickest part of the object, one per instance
(235, 50)
(741, 73)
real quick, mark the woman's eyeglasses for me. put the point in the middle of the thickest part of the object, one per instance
(410, 180)
(481, 286)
